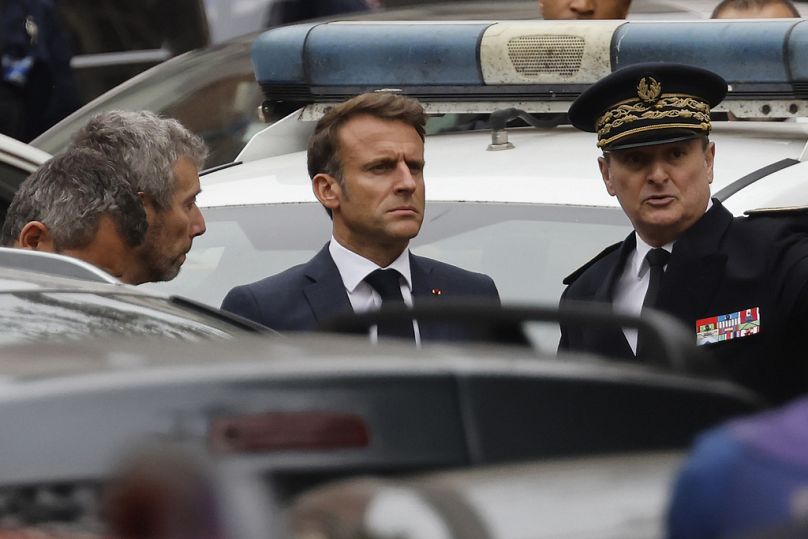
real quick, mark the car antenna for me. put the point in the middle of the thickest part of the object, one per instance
(500, 118)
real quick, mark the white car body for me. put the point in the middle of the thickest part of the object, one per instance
(17, 161)
(22, 156)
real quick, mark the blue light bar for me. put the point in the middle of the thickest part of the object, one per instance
(522, 60)
(757, 58)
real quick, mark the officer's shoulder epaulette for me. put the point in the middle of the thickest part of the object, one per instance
(571, 278)
(783, 211)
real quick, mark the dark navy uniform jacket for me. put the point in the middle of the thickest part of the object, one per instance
(303, 297)
(721, 265)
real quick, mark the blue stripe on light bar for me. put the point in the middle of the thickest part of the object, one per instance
(797, 56)
(368, 54)
(277, 55)
(751, 52)
(763, 58)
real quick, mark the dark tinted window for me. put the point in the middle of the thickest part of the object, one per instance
(127, 26)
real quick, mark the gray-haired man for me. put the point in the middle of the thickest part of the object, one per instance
(80, 204)
(164, 159)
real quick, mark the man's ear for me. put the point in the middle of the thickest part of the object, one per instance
(36, 236)
(603, 163)
(327, 190)
(709, 160)
(148, 206)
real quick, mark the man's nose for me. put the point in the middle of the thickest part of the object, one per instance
(197, 223)
(657, 171)
(583, 7)
(405, 180)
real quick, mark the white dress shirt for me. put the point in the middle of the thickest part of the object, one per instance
(633, 283)
(353, 269)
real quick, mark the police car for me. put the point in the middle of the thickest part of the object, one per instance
(526, 204)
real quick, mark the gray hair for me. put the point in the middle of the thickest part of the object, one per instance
(145, 143)
(70, 193)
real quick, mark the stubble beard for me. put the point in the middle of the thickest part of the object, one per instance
(157, 265)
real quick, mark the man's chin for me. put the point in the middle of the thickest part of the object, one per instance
(172, 271)
(405, 229)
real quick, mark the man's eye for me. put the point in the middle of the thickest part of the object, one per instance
(634, 159)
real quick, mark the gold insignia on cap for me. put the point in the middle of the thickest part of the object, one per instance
(649, 89)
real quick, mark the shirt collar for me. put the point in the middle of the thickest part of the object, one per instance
(638, 263)
(639, 266)
(353, 268)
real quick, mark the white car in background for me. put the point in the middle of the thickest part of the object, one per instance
(533, 210)
(17, 161)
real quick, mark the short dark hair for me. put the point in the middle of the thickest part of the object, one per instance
(323, 150)
(70, 193)
(753, 4)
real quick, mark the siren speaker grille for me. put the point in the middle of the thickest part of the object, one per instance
(537, 55)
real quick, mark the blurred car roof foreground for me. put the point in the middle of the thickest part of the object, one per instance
(306, 410)
(619, 496)
(52, 298)
(289, 414)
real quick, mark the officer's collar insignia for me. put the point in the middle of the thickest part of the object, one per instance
(728, 326)
(649, 90)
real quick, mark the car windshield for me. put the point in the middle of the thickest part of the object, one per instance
(40, 316)
(526, 248)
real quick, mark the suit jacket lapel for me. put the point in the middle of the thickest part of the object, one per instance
(611, 341)
(696, 266)
(326, 294)
(605, 293)
(421, 289)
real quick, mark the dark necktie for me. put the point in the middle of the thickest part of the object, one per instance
(657, 258)
(387, 284)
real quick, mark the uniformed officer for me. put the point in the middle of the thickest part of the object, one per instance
(739, 284)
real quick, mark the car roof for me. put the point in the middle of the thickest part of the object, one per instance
(623, 496)
(20, 154)
(118, 392)
(40, 266)
(17, 280)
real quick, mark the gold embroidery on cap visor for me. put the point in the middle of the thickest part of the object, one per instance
(692, 113)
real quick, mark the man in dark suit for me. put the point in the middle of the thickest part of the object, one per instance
(366, 161)
(739, 284)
